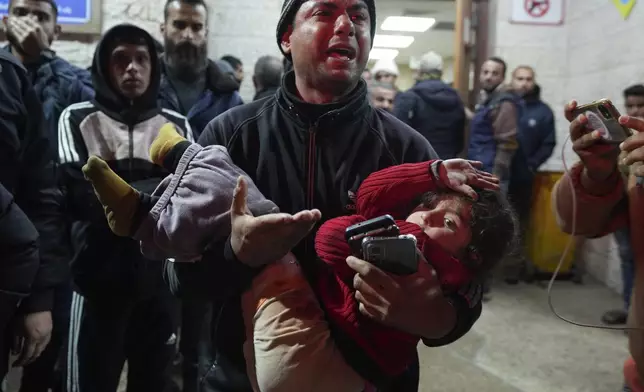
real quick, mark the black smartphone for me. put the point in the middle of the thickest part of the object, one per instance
(382, 226)
(396, 255)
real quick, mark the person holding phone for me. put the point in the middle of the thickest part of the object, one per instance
(615, 203)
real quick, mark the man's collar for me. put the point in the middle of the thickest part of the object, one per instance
(349, 106)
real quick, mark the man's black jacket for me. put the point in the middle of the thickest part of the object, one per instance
(27, 171)
(301, 156)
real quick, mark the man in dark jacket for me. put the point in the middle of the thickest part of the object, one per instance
(27, 172)
(18, 264)
(267, 76)
(494, 136)
(494, 127)
(433, 108)
(537, 139)
(125, 311)
(310, 146)
(31, 28)
(190, 83)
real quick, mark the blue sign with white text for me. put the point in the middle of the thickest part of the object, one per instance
(69, 11)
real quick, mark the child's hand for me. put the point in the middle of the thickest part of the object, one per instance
(461, 175)
(260, 240)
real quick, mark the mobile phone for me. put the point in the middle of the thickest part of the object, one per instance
(396, 255)
(603, 116)
(382, 226)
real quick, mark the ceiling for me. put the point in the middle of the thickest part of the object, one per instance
(440, 38)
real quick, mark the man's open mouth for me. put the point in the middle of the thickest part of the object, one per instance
(338, 52)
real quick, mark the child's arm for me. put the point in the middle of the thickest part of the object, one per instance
(393, 190)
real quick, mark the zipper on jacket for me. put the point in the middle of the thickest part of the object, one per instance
(310, 180)
(130, 135)
(130, 132)
(310, 169)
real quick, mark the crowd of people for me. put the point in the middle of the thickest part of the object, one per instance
(149, 215)
(511, 130)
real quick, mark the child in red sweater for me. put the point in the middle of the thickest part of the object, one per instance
(289, 340)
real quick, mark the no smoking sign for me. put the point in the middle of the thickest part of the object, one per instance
(537, 8)
(544, 12)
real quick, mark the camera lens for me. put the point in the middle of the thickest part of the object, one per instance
(604, 112)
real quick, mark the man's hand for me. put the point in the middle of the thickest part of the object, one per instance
(28, 34)
(33, 333)
(633, 147)
(413, 304)
(461, 175)
(599, 159)
(260, 240)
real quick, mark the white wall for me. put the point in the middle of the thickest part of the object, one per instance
(243, 28)
(594, 54)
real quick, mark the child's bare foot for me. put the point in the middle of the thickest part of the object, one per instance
(120, 201)
(167, 138)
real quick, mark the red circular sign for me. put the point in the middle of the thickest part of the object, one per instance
(537, 8)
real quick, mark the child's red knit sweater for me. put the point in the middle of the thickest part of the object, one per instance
(390, 191)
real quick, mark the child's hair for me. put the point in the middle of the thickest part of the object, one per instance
(494, 226)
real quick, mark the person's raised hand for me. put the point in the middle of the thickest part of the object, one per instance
(29, 35)
(633, 147)
(260, 240)
(599, 158)
(462, 175)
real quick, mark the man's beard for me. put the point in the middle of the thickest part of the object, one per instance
(185, 58)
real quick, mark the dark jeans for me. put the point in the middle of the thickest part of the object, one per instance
(195, 343)
(623, 239)
(111, 332)
(42, 374)
(520, 197)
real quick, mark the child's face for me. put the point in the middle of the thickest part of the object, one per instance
(447, 222)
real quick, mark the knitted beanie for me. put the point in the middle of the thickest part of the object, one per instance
(290, 7)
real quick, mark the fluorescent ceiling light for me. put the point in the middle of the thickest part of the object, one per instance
(380, 54)
(407, 23)
(393, 41)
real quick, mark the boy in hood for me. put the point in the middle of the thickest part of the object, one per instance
(125, 309)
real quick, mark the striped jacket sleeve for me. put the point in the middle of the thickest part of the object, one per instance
(80, 200)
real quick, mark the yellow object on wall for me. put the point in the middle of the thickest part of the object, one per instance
(545, 242)
(624, 7)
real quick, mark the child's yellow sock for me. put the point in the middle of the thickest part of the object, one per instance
(120, 201)
(163, 143)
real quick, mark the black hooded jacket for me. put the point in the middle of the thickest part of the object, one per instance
(19, 259)
(27, 172)
(301, 156)
(436, 111)
(120, 131)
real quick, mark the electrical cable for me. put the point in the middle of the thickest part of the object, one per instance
(565, 254)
